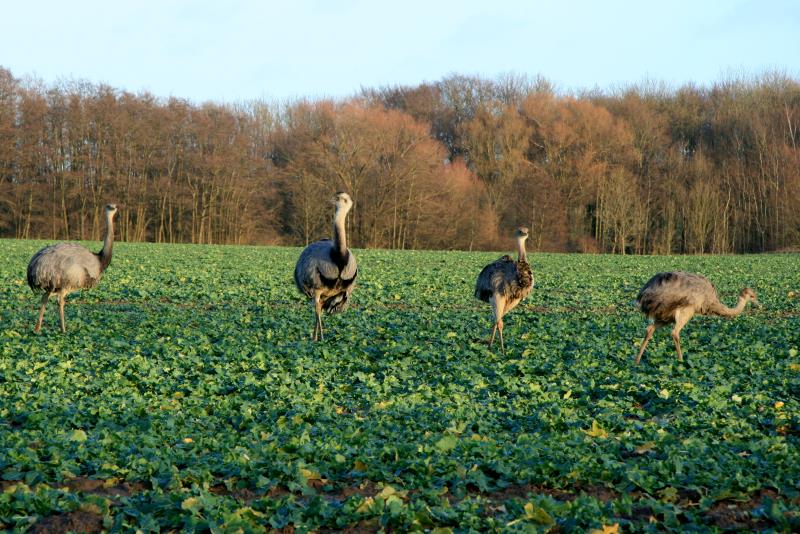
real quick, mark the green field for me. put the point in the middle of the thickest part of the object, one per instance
(187, 395)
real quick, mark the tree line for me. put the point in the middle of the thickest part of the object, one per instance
(449, 164)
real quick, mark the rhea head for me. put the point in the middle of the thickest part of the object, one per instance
(521, 233)
(343, 202)
(111, 209)
(750, 295)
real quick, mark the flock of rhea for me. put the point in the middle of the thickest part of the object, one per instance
(326, 272)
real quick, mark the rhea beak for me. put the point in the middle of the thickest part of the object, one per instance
(756, 303)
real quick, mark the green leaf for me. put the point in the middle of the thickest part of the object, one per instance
(537, 514)
(190, 503)
(447, 443)
(77, 435)
(596, 431)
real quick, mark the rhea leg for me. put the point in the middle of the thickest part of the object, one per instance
(510, 305)
(61, 312)
(507, 307)
(677, 339)
(682, 317)
(317, 335)
(45, 297)
(497, 314)
(650, 330)
(500, 328)
(319, 326)
(498, 305)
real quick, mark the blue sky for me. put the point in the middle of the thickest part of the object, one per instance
(240, 50)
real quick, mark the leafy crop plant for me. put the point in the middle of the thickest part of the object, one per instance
(187, 395)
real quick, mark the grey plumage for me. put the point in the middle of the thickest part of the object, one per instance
(674, 297)
(319, 268)
(63, 265)
(504, 283)
(505, 277)
(326, 270)
(63, 268)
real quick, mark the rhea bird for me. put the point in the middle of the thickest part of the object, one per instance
(504, 283)
(62, 268)
(674, 297)
(326, 270)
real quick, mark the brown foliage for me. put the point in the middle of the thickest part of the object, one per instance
(386, 161)
(446, 164)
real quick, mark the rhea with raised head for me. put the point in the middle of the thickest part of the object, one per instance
(326, 270)
(674, 297)
(62, 268)
(504, 283)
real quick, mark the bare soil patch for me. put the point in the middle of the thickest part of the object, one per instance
(78, 521)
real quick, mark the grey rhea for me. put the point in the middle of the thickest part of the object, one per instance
(504, 283)
(326, 270)
(674, 297)
(63, 268)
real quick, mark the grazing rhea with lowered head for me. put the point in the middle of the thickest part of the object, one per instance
(504, 283)
(673, 298)
(63, 268)
(326, 270)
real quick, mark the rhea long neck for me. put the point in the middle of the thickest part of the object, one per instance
(724, 311)
(108, 242)
(339, 235)
(522, 256)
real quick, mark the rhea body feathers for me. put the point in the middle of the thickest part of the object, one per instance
(321, 268)
(675, 297)
(513, 280)
(326, 270)
(62, 268)
(504, 283)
